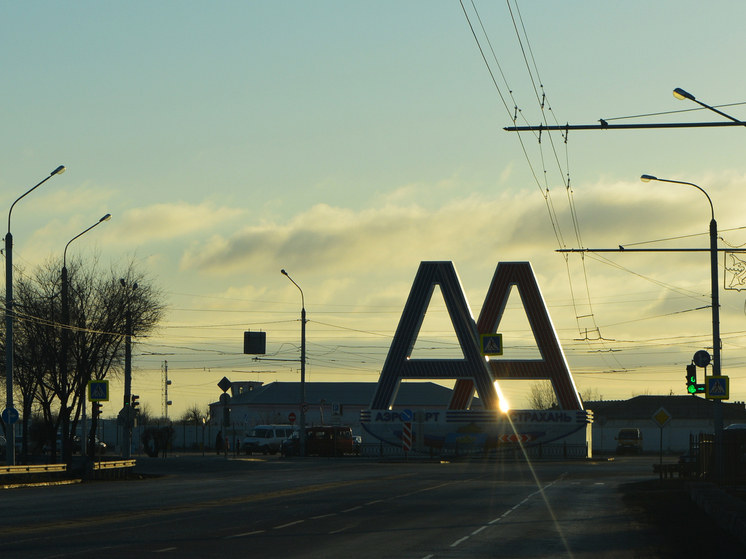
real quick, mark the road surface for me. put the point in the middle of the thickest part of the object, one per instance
(342, 508)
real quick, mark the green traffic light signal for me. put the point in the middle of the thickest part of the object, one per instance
(691, 378)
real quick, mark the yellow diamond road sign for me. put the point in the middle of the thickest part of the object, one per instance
(661, 417)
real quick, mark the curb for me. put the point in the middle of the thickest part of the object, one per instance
(728, 512)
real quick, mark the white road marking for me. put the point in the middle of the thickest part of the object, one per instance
(374, 502)
(475, 532)
(165, 549)
(352, 509)
(428, 557)
(323, 516)
(506, 513)
(454, 544)
(289, 524)
(244, 534)
(496, 520)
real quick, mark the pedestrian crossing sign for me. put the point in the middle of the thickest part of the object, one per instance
(717, 388)
(491, 344)
(98, 390)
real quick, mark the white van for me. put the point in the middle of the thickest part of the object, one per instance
(266, 438)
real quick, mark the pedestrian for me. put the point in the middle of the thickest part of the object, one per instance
(219, 442)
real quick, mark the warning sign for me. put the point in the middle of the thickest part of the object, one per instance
(492, 344)
(717, 388)
(98, 390)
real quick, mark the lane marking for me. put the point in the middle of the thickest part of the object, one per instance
(428, 557)
(289, 524)
(475, 532)
(515, 507)
(374, 502)
(323, 516)
(165, 549)
(506, 513)
(496, 520)
(454, 544)
(198, 507)
(338, 531)
(244, 534)
(352, 509)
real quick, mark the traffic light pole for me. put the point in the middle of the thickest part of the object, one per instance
(127, 435)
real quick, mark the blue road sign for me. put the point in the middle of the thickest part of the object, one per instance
(98, 390)
(492, 344)
(717, 388)
(406, 415)
(10, 415)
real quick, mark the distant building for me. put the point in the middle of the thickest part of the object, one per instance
(690, 415)
(253, 403)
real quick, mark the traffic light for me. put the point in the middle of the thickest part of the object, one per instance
(691, 378)
(135, 403)
(96, 409)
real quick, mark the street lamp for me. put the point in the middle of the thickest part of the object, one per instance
(302, 366)
(65, 338)
(681, 95)
(716, 370)
(10, 448)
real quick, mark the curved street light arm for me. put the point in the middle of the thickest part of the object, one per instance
(648, 178)
(58, 171)
(302, 297)
(107, 217)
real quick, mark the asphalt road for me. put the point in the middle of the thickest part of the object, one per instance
(320, 508)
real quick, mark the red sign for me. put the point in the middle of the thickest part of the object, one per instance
(291, 417)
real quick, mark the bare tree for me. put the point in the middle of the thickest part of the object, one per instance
(57, 376)
(193, 415)
(541, 395)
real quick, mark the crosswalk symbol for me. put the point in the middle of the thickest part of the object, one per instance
(492, 344)
(717, 387)
(98, 391)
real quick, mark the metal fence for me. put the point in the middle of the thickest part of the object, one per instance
(704, 451)
(536, 452)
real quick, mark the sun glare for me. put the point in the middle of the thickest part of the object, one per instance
(504, 404)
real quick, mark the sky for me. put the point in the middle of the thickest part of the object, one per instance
(347, 142)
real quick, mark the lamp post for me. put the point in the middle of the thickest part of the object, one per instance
(302, 366)
(129, 415)
(716, 369)
(66, 339)
(10, 447)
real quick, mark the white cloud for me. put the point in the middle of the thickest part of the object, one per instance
(169, 221)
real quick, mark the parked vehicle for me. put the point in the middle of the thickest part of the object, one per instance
(322, 441)
(688, 457)
(100, 446)
(266, 439)
(629, 440)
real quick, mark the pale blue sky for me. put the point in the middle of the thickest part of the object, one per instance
(346, 142)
